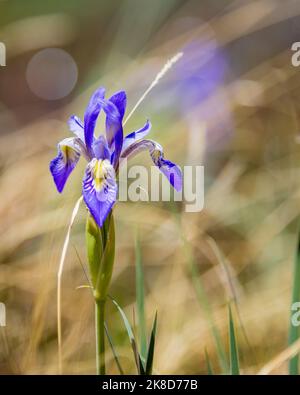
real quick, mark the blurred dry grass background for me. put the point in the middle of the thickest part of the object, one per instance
(243, 127)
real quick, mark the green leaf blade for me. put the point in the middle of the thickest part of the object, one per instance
(234, 359)
(150, 354)
(210, 371)
(137, 357)
(140, 299)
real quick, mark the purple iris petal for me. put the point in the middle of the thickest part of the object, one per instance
(119, 99)
(169, 169)
(140, 146)
(76, 126)
(68, 155)
(137, 135)
(90, 117)
(100, 148)
(99, 189)
(114, 129)
(172, 172)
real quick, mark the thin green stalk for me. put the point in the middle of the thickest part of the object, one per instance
(208, 364)
(100, 336)
(203, 300)
(294, 330)
(101, 252)
(234, 358)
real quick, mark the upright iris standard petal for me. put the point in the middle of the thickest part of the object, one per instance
(168, 168)
(113, 121)
(76, 126)
(69, 151)
(90, 117)
(100, 148)
(99, 189)
(120, 100)
(114, 129)
(137, 135)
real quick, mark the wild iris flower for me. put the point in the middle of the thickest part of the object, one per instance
(105, 153)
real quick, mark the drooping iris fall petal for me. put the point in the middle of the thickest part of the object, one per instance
(99, 189)
(168, 168)
(68, 155)
(171, 171)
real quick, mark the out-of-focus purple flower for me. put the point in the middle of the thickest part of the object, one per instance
(201, 70)
(202, 75)
(103, 153)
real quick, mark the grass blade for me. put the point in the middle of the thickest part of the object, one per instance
(140, 299)
(150, 354)
(59, 280)
(232, 290)
(158, 77)
(130, 334)
(234, 359)
(141, 368)
(208, 364)
(113, 350)
(203, 301)
(294, 330)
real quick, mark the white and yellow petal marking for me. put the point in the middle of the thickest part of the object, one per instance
(99, 188)
(102, 170)
(156, 155)
(71, 148)
(69, 154)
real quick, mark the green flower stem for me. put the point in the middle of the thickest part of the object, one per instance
(100, 336)
(100, 244)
